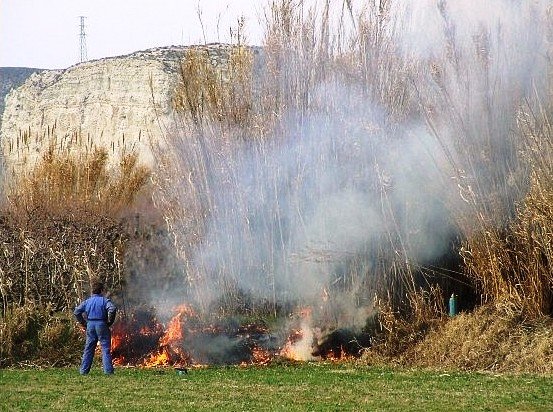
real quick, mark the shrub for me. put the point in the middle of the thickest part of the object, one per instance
(34, 335)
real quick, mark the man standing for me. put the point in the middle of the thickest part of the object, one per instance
(100, 315)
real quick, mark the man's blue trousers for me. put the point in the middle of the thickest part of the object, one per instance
(97, 331)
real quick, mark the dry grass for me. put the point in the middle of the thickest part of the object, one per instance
(481, 172)
(493, 163)
(61, 226)
(63, 223)
(34, 335)
(401, 330)
(225, 116)
(65, 181)
(207, 93)
(493, 338)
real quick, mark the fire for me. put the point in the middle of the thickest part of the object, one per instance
(261, 356)
(170, 352)
(188, 340)
(340, 357)
(299, 345)
(141, 339)
(134, 335)
(157, 359)
(116, 342)
(258, 357)
(300, 342)
(173, 334)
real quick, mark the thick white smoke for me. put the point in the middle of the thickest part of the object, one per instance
(307, 215)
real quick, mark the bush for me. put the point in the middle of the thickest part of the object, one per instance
(35, 335)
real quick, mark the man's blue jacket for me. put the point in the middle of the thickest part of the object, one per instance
(97, 308)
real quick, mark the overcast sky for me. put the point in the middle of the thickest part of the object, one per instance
(45, 33)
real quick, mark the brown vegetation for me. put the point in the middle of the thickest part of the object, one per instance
(495, 160)
(492, 338)
(514, 264)
(63, 223)
(493, 184)
(35, 334)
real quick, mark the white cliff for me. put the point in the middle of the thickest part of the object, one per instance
(120, 103)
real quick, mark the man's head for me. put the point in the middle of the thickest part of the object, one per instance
(97, 287)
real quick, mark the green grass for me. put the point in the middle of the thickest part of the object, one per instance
(315, 387)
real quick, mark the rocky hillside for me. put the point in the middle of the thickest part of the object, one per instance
(11, 78)
(120, 103)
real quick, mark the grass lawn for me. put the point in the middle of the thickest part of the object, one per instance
(310, 386)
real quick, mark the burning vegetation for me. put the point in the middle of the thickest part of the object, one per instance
(187, 340)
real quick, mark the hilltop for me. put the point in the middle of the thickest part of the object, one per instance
(120, 103)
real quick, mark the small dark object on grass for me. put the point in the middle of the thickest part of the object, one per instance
(181, 371)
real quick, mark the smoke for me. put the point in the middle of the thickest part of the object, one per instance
(480, 63)
(515, 28)
(306, 215)
(322, 210)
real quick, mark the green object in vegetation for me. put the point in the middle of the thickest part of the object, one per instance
(453, 305)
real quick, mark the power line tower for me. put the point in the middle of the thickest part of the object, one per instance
(82, 37)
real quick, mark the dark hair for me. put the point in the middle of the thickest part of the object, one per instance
(97, 287)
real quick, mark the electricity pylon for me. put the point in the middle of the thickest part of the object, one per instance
(82, 37)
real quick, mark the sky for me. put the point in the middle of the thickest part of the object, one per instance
(45, 33)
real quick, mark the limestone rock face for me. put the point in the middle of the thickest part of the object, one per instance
(10, 78)
(118, 103)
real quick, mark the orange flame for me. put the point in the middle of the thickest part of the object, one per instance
(116, 342)
(142, 340)
(170, 352)
(300, 342)
(157, 359)
(343, 356)
(260, 356)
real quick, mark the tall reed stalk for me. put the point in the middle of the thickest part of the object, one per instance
(61, 226)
